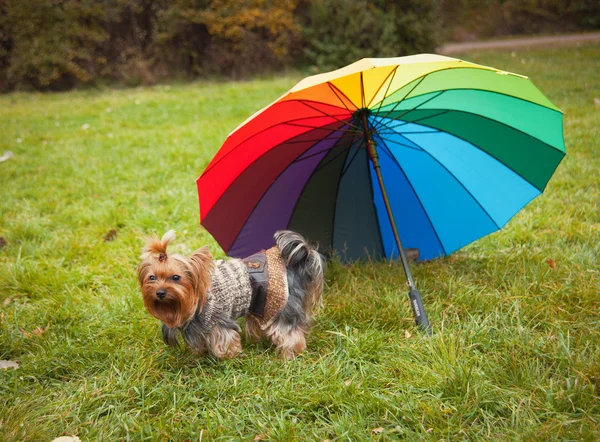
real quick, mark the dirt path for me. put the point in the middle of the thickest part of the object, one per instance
(554, 40)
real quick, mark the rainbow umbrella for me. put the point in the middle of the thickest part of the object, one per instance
(424, 152)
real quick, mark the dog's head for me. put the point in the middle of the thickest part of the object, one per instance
(173, 285)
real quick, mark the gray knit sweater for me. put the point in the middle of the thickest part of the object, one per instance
(229, 295)
(228, 298)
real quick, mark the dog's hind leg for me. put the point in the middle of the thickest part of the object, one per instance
(290, 341)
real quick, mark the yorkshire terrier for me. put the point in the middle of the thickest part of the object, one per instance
(277, 290)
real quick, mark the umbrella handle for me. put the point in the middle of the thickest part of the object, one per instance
(419, 310)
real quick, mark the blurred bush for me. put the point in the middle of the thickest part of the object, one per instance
(57, 44)
(475, 19)
(338, 32)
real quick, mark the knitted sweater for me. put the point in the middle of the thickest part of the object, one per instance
(232, 291)
(229, 295)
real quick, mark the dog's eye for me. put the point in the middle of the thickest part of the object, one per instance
(176, 277)
(152, 278)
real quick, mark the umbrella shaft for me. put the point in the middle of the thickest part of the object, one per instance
(374, 157)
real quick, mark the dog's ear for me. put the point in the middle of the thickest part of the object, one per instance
(142, 271)
(201, 263)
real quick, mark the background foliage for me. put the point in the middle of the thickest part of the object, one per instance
(515, 355)
(58, 44)
(472, 19)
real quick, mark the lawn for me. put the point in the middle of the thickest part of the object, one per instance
(516, 348)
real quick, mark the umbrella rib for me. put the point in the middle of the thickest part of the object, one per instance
(346, 148)
(393, 73)
(463, 186)
(297, 160)
(483, 116)
(335, 201)
(335, 90)
(486, 152)
(347, 167)
(271, 185)
(421, 79)
(392, 130)
(402, 99)
(289, 122)
(434, 131)
(326, 114)
(418, 120)
(302, 192)
(315, 139)
(389, 154)
(408, 111)
(418, 149)
(320, 127)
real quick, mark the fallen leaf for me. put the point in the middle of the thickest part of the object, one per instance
(7, 301)
(597, 101)
(111, 235)
(551, 263)
(407, 334)
(8, 364)
(8, 154)
(38, 331)
(348, 382)
(260, 437)
(67, 439)
(377, 430)
(429, 430)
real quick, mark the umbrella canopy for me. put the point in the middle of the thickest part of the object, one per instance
(460, 148)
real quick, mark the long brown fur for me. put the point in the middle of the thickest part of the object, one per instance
(181, 298)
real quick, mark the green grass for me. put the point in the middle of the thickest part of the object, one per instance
(516, 350)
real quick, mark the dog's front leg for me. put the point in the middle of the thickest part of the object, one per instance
(224, 341)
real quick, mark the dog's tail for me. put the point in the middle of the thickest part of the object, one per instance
(304, 258)
(158, 246)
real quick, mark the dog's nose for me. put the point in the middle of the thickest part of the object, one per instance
(161, 293)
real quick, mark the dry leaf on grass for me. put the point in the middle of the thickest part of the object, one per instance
(38, 331)
(111, 235)
(551, 263)
(597, 101)
(260, 437)
(4, 365)
(8, 154)
(378, 430)
(407, 334)
(67, 439)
